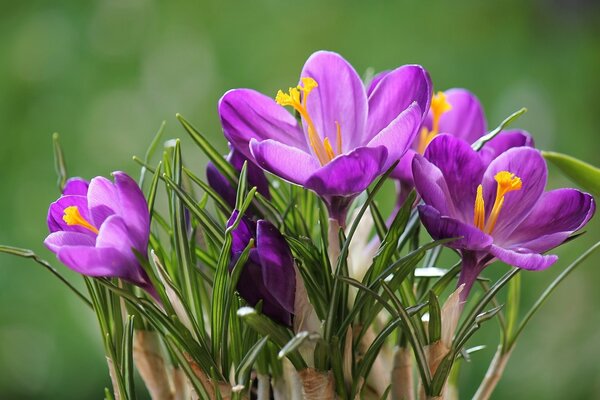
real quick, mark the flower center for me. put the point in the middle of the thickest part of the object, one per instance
(439, 106)
(323, 149)
(507, 182)
(73, 217)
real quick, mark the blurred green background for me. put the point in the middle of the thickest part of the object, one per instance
(105, 74)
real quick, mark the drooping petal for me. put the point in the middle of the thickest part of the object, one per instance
(443, 227)
(525, 259)
(247, 114)
(462, 169)
(56, 213)
(503, 141)
(556, 215)
(58, 239)
(340, 98)
(526, 163)
(348, 174)
(431, 186)
(286, 162)
(103, 200)
(133, 210)
(466, 119)
(399, 134)
(76, 186)
(277, 264)
(394, 93)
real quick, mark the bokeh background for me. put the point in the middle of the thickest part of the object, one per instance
(106, 73)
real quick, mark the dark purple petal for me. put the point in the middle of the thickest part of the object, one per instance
(431, 186)
(403, 171)
(133, 210)
(349, 174)
(286, 162)
(277, 264)
(76, 186)
(56, 240)
(375, 81)
(399, 134)
(220, 184)
(466, 119)
(242, 234)
(247, 114)
(555, 216)
(526, 163)
(443, 227)
(56, 213)
(394, 93)
(462, 169)
(102, 200)
(524, 259)
(340, 97)
(255, 175)
(503, 141)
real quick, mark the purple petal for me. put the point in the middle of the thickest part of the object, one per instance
(462, 169)
(247, 114)
(277, 264)
(57, 211)
(525, 259)
(403, 171)
(241, 236)
(102, 200)
(76, 186)
(503, 141)
(526, 163)
(554, 218)
(340, 97)
(95, 261)
(466, 119)
(399, 134)
(375, 81)
(56, 240)
(256, 176)
(431, 186)
(349, 174)
(442, 227)
(133, 210)
(220, 184)
(286, 162)
(394, 93)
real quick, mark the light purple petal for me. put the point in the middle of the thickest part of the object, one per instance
(102, 199)
(403, 171)
(94, 261)
(286, 162)
(375, 81)
(526, 163)
(277, 264)
(554, 218)
(525, 260)
(133, 210)
(463, 170)
(503, 141)
(247, 114)
(466, 119)
(56, 240)
(431, 186)
(394, 93)
(76, 186)
(443, 227)
(340, 97)
(349, 174)
(56, 213)
(399, 134)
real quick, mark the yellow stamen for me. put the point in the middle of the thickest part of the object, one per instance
(507, 182)
(479, 215)
(328, 149)
(292, 99)
(73, 217)
(439, 106)
(339, 137)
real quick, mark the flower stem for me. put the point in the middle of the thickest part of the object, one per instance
(493, 374)
(333, 238)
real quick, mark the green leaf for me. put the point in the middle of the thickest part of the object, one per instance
(582, 173)
(59, 162)
(243, 370)
(296, 342)
(127, 357)
(151, 150)
(486, 138)
(435, 318)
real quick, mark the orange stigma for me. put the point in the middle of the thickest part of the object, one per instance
(73, 217)
(439, 106)
(507, 182)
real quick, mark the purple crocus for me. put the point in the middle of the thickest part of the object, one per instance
(346, 137)
(457, 112)
(269, 273)
(255, 175)
(497, 208)
(95, 228)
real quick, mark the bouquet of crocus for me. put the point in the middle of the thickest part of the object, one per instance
(275, 274)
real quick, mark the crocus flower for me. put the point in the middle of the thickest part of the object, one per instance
(497, 209)
(269, 272)
(95, 228)
(255, 175)
(345, 138)
(457, 112)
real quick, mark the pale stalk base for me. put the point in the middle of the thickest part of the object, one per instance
(402, 375)
(317, 385)
(493, 374)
